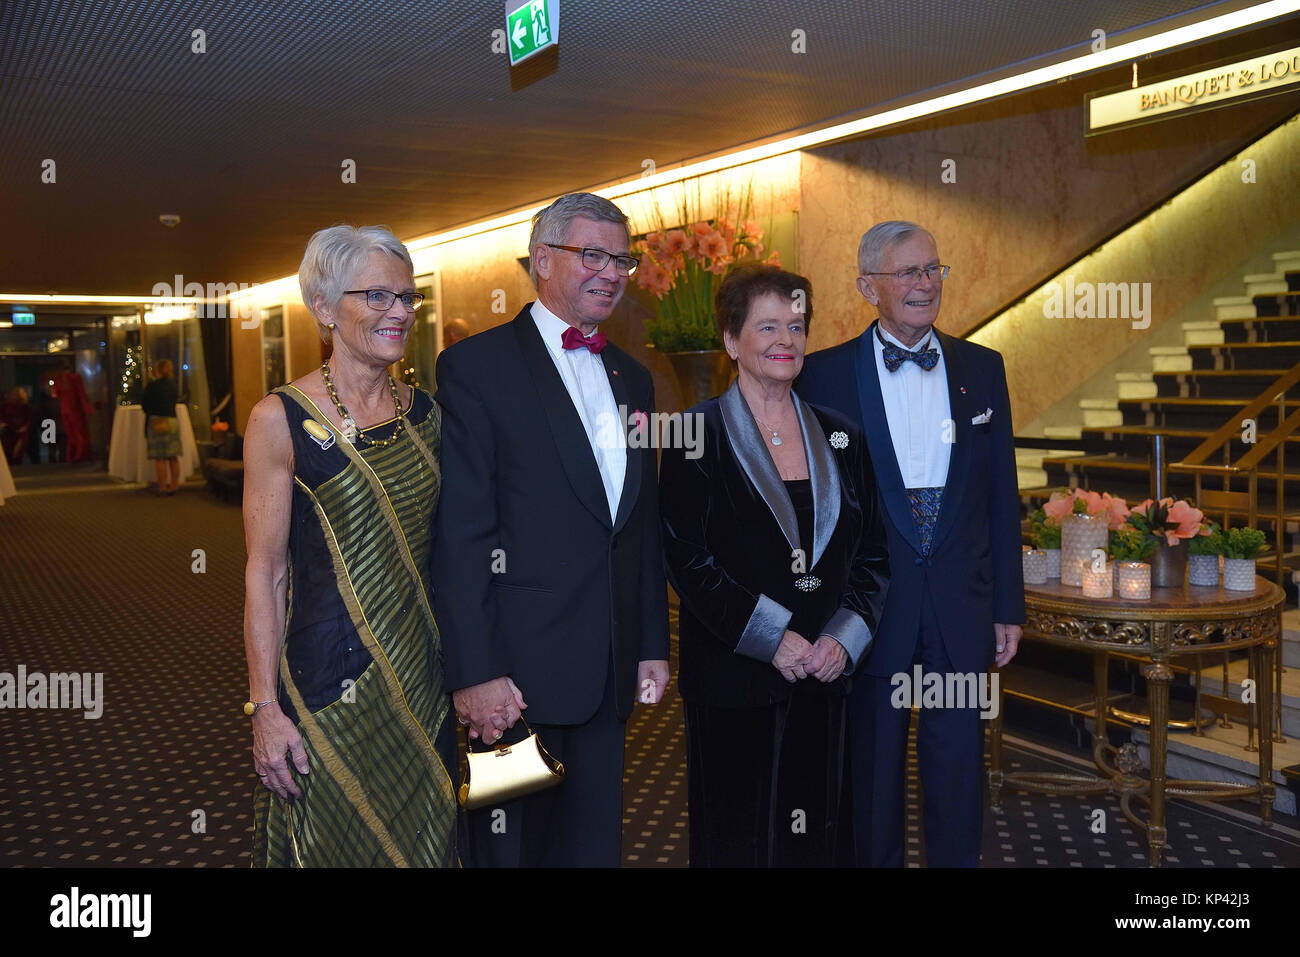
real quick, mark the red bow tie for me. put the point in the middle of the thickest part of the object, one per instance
(573, 339)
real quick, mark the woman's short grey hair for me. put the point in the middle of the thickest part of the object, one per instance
(551, 225)
(877, 240)
(334, 256)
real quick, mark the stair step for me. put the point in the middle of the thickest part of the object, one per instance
(1265, 284)
(1243, 384)
(1170, 359)
(1063, 431)
(1211, 678)
(1234, 307)
(1202, 332)
(1136, 385)
(1219, 754)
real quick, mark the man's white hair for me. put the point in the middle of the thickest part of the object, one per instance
(880, 238)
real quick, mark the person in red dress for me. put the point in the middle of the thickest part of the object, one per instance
(75, 407)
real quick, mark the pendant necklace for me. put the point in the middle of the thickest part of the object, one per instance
(776, 436)
(349, 429)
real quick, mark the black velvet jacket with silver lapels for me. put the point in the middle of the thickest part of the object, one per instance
(733, 553)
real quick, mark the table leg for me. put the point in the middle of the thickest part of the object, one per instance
(1101, 691)
(1264, 704)
(1158, 675)
(995, 748)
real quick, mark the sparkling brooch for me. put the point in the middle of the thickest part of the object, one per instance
(808, 583)
(840, 440)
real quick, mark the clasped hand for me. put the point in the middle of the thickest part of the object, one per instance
(490, 708)
(795, 658)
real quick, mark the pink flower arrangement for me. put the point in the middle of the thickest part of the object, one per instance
(682, 267)
(1173, 520)
(1081, 502)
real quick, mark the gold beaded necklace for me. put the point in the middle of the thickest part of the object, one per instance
(350, 430)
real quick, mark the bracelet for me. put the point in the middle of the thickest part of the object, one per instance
(252, 707)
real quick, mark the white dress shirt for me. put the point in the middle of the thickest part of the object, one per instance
(583, 373)
(917, 408)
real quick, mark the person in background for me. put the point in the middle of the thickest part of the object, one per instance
(74, 405)
(456, 330)
(15, 423)
(773, 540)
(162, 427)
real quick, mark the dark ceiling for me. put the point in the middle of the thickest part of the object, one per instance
(245, 140)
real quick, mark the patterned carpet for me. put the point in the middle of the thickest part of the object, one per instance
(107, 579)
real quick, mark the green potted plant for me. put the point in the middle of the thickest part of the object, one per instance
(1241, 546)
(1204, 550)
(1046, 536)
(1132, 550)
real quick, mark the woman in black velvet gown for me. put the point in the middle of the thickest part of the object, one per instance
(774, 543)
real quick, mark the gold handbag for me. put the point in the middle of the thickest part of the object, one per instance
(506, 772)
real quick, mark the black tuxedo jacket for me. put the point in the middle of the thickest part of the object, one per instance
(729, 536)
(973, 573)
(530, 577)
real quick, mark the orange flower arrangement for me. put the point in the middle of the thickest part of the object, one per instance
(682, 266)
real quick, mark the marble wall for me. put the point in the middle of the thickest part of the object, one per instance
(1173, 255)
(1031, 195)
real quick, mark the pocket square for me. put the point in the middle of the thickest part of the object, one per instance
(982, 418)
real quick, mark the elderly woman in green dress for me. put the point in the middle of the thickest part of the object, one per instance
(352, 736)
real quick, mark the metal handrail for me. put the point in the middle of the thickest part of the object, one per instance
(1248, 467)
(1266, 398)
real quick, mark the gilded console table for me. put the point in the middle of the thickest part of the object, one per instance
(1175, 621)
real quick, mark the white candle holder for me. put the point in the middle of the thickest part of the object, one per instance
(1097, 582)
(1203, 570)
(1239, 574)
(1053, 562)
(1134, 580)
(1034, 561)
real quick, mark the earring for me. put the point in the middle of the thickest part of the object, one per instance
(329, 326)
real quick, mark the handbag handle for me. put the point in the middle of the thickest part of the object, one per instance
(469, 742)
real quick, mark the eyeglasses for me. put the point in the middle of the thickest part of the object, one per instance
(381, 299)
(598, 259)
(913, 274)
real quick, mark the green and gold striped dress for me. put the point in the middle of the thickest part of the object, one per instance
(360, 669)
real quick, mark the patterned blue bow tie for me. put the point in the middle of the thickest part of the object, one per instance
(927, 359)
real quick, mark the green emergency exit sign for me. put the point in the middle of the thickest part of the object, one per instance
(531, 27)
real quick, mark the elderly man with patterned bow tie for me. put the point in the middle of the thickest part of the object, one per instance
(937, 417)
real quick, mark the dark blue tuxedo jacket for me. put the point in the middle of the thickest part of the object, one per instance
(973, 573)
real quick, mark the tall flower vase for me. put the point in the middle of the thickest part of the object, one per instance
(1080, 534)
(701, 375)
(1239, 574)
(1169, 565)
